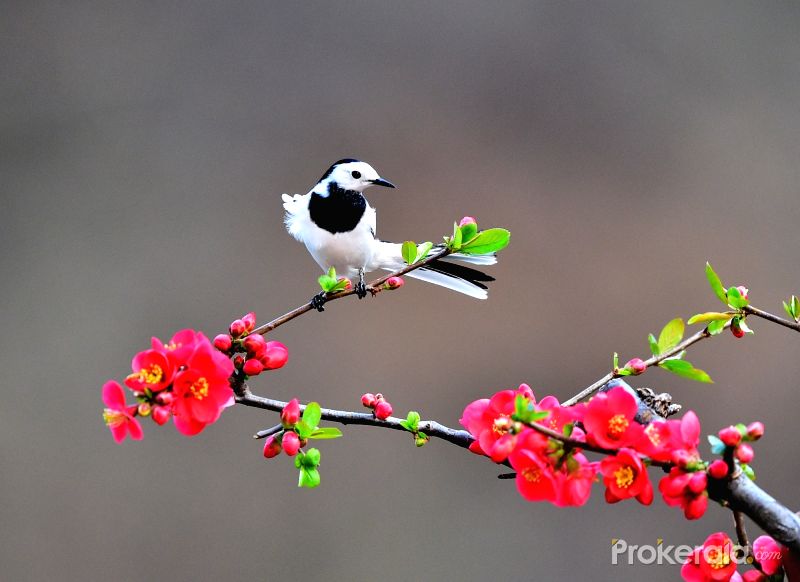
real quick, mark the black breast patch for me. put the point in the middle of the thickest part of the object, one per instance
(340, 211)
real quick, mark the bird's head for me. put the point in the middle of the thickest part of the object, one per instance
(351, 174)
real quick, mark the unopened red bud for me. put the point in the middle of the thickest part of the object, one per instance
(379, 396)
(145, 409)
(290, 415)
(253, 367)
(636, 366)
(274, 356)
(681, 458)
(393, 283)
(237, 328)
(698, 483)
(348, 284)
(249, 321)
(467, 220)
(744, 453)
(383, 410)
(161, 414)
(743, 291)
(223, 342)
(255, 344)
(730, 436)
(291, 443)
(718, 469)
(272, 448)
(755, 430)
(369, 400)
(165, 397)
(238, 361)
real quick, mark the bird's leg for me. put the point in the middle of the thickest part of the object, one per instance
(361, 287)
(318, 301)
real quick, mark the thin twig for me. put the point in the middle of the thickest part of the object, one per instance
(373, 287)
(650, 362)
(770, 317)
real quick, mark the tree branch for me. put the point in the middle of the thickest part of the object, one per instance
(770, 317)
(373, 287)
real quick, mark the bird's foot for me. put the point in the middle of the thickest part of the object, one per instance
(361, 289)
(318, 301)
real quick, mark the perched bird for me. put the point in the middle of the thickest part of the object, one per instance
(338, 227)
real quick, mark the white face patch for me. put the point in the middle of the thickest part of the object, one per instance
(356, 176)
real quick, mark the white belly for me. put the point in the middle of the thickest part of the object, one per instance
(347, 252)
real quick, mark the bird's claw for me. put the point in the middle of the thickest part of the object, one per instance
(318, 301)
(361, 290)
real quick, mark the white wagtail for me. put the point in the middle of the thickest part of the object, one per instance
(338, 227)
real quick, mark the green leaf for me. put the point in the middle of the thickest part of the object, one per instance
(788, 310)
(709, 316)
(413, 420)
(308, 478)
(303, 429)
(409, 252)
(671, 335)
(717, 446)
(487, 241)
(654, 345)
(312, 415)
(468, 232)
(716, 327)
(795, 307)
(686, 370)
(423, 250)
(311, 458)
(615, 361)
(328, 281)
(457, 238)
(421, 439)
(716, 284)
(326, 433)
(735, 298)
(748, 470)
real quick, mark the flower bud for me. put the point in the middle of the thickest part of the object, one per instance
(272, 448)
(144, 409)
(291, 443)
(467, 220)
(223, 342)
(698, 483)
(348, 284)
(237, 328)
(636, 366)
(369, 400)
(736, 329)
(253, 367)
(165, 398)
(161, 415)
(249, 321)
(696, 507)
(383, 410)
(274, 356)
(718, 469)
(255, 344)
(743, 291)
(290, 415)
(379, 396)
(755, 430)
(730, 436)
(238, 361)
(393, 283)
(681, 458)
(744, 453)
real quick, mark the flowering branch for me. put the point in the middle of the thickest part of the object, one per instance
(374, 287)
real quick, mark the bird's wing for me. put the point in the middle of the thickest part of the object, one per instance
(297, 218)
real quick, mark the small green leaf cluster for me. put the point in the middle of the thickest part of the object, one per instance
(414, 253)
(733, 298)
(670, 336)
(525, 411)
(411, 424)
(308, 428)
(793, 308)
(332, 284)
(467, 239)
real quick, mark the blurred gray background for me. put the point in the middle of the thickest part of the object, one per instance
(144, 149)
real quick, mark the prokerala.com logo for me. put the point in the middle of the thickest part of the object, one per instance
(624, 553)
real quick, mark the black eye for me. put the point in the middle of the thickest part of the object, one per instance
(356, 174)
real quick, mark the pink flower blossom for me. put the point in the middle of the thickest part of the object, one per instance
(119, 417)
(624, 476)
(609, 419)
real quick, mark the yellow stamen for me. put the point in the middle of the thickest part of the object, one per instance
(624, 477)
(617, 425)
(717, 558)
(113, 417)
(532, 474)
(199, 389)
(149, 376)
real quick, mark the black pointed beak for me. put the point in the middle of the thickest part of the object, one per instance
(382, 182)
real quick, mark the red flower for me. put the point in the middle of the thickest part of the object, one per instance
(118, 417)
(151, 370)
(609, 419)
(770, 554)
(180, 347)
(624, 476)
(536, 480)
(656, 440)
(201, 391)
(489, 421)
(686, 490)
(575, 481)
(559, 415)
(714, 562)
